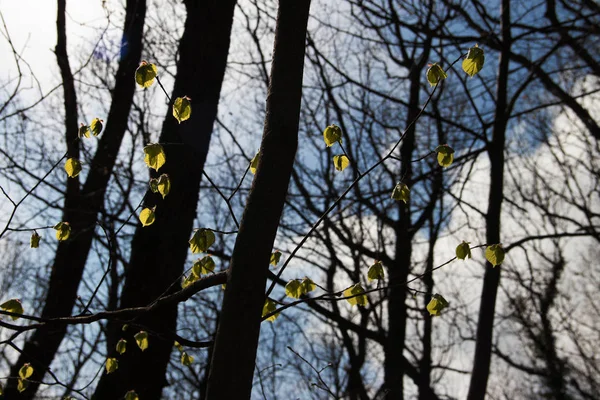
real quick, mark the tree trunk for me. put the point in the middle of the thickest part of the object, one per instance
(82, 208)
(159, 251)
(232, 365)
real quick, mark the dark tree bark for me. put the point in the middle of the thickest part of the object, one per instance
(159, 251)
(81, 209)
(491, 278)
(236, 343)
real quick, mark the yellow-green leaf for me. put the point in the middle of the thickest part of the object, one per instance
(401, 192)
(163, 185)
(202, 240)
(494, 254)
(254, 163)
(34, 242)
(178, 345)
(154, 156)
(125, 327)
(188, 280)
(340, 162)
(435, 74)
(63, 231)
(445, 155)
(268, 308)
(13, 306)
(376, 271)
(307, 286)
(436, 305)
(96, 126)
(145, 74)
(294, 288)
(73, 167)
(474, 61)
(121, 346)
(26, 371)
(141, 338)
(131, 395)
(203, 266)
(463, 251)
(147, 216)
(354, 295)
(182, 109)
(154, 185)
(84, 131)
(22, 384)
(332, 134)
(186, 359)
(275, 257)
(112, 364)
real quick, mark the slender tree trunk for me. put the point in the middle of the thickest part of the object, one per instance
(491, 278)
(159, 251)
(232, 366)
(82, 208)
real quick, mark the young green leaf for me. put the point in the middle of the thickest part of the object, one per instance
(463, 251)
(340, 162)
(131, 395)
(145, 74)
(154, 185)
(96, 126)
(121, 346)
(154, 156)
(182, 109)
(84, 131)
(494, 254)
(435, 74)
(186, 359)
(163, 185)
(63, 231)
(332, 134)
(474, 61)
(178, 346)
(188, 280)
(34, 242)
(73, 167)
(25, 371)
(401, 192)
(275, 257)
(376, 272)
(358, 298)
(307, 286)
(125, 327)
(294, 289)
(141, 339)
(112, 364)
(203, 266)
(147, 216)
(436, 305)
(445, 155)
(13, 306)
(268, 308)
(22, 384)
(254, 163)
(202, 240)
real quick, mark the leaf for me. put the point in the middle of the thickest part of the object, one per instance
(356, 291)
(340, 162)
(332, 134)
(145, 74)
(141, 338)
(445, 155)
(73, 167)
(293, 289)
(125, 327)
(474, 61)
(376, 272)
(13, 306)
(186, 359)
(435, 74)
(203, 238)
(436, 305)
(275, 257)
(63, 231)
(163, 185)
(34, 242)
(254, 163)
(494, 254)
(178, 346)
(121, 346)
(26, 371)
(188, 280)
(147, 217)
(308, 286)
(203, 266)
(84, 131)
(154, 156)
(96, 126)
(131, 395)
(154, 185)
(268, 308)
(112, 364)
(182, 109)
(22, 384)
(463, 251)
(401, 192)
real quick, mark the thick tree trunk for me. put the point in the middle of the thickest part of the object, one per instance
(491, 278)
(159, 251)
(82, 208)
(232, 366)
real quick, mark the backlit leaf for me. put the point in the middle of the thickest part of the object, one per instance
(182, 109)
(154, 156)
(332, 134)
(435, 74)
(463, 251)
(141, 339)
(340, 162)
(401, 192)
(147, 216)
(376, 271)
(63, 231)
(474, 61)
(131, 395)
(357, 297)
(84, 131)
(154, 185)
(445, 155)
(268, 308)
(494, 254)
(112, 364)
(203, 266)
(254, 163)
(163, 185)
(293, 288)
(436, 305)
(34, 242)
(121, 346)
(73, 167)
(25, 371)
(202, 240)
(186, 359)
(96, 126)
(145, 74)
(308, 286)
(22, 384)
(13, 306)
